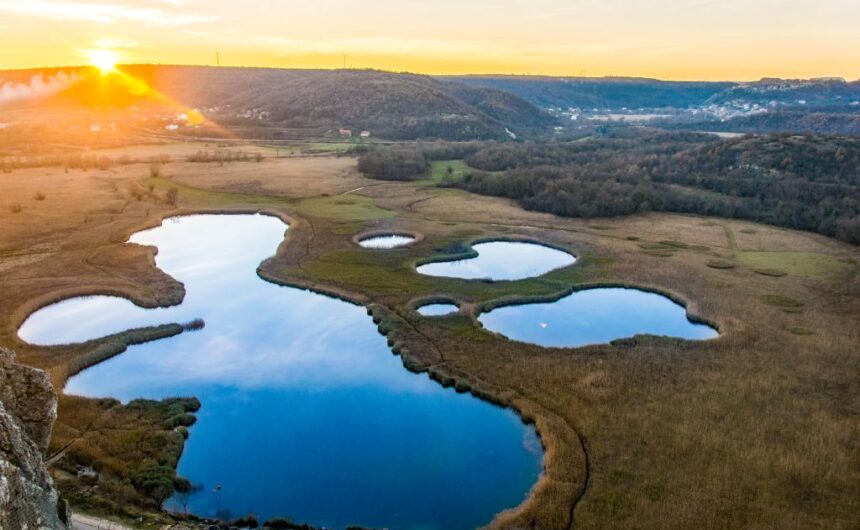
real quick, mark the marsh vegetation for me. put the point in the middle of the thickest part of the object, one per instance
(751, 429)
(332, 364)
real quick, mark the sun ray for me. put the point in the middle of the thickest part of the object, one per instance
(104, 60)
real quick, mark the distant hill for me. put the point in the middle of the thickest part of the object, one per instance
(613, 93)
(792, 93)
(600, 93)
(793, 121)
(390, 105)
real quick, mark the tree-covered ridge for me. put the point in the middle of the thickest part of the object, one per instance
(397, 106)
(803, 182)
(600, 93)
(829, 121)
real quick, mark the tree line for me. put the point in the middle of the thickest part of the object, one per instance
(803, 182)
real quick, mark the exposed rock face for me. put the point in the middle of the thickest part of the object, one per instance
(28, 408)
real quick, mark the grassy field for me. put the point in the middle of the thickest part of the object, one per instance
(442, 168)
(756, 429)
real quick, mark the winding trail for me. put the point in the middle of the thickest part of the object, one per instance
(80, 521)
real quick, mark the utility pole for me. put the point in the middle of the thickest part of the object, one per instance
(217, 58)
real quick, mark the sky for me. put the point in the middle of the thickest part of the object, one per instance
(668, 39)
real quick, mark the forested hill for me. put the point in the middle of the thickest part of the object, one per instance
(805, 93)
(611, 93)
(390, 105)
(600, 93)
(803, 182)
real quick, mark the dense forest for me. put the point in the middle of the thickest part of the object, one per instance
(803, 182)
(410, 161)
(638, 93)
(796, 122)
(796, 93)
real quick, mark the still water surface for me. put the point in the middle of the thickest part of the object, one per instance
(437, 310)
(502, 260)
(385, 242)
(306, 413)
(595, 316)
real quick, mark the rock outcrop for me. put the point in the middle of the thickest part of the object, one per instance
(28, 408)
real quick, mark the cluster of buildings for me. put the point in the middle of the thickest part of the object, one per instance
(347, 133)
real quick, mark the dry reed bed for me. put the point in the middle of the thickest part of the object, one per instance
(754, 429)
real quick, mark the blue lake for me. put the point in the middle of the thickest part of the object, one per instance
(437, 310)
(306, 413)
(595, 316)
(502, 260)
(385, 242)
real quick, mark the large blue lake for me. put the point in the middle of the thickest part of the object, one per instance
(306, 413)
(595, 316)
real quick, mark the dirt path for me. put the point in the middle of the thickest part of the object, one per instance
(86, 522)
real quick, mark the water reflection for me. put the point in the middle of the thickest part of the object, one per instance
(502, 260)
(386, 241)
(595, 316)
(436, 310)
(306, 413)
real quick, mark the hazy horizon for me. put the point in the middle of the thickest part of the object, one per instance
(689, 40)
(36, 69)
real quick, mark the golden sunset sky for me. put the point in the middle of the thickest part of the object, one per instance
(669, 39)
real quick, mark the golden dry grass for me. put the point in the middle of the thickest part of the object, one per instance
(756, 429)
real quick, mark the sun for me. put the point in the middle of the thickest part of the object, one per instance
(104, 60)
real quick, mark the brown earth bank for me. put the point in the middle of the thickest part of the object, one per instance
(756, 429)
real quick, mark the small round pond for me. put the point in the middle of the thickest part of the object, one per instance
(305, 413)
(595, 316)
(502, 260)
(437, 310)
(387, 241)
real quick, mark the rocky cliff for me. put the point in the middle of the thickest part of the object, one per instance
(28, 408)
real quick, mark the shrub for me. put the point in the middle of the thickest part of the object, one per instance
(180, 420)
(154, 480)
(280, 523)
(172, 196)
(249, 521)
(775, 273)
(39, 196)
(181, 484)
(393, 164)
(194, 325)
(783, 301)
(15, 207)
(720, 264)
(155, 171)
